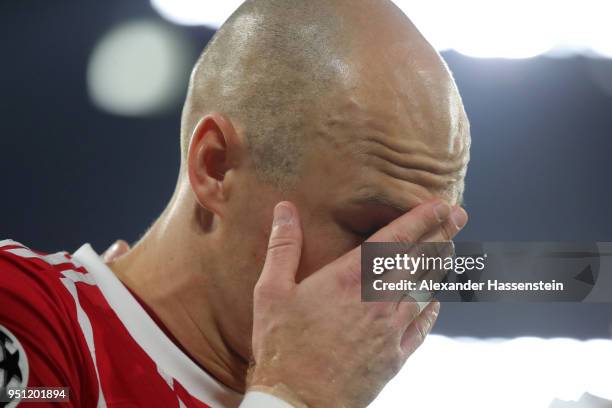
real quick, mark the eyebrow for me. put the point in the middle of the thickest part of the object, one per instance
(382, 199)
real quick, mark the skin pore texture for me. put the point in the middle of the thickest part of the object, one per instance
(340, 107)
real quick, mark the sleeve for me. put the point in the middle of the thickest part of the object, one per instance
(259, 399)
(38, 340)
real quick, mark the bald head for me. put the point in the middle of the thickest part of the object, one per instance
(279, 69)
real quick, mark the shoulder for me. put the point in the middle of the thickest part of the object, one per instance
(38, 310)
(35, 292)
(34, 277)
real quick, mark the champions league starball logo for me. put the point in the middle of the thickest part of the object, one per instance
(13, 367)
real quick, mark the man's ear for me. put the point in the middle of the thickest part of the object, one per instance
(213, 151)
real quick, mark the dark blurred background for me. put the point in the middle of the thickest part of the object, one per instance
(75, 168)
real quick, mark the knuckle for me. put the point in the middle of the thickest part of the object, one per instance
(349, 280)
(447, 233)
(396, 362)
(427, 221)
(279, 244)
(263, 290)
(381, 310)
(263, 287)
(349, 277)
(257, 291)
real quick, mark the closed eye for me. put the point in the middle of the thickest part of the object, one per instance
(364, 219)
(366, 233)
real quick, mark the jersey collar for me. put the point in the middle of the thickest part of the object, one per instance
(168, 357)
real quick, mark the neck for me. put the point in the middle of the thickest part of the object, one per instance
(163, 270)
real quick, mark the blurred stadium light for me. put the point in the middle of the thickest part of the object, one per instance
(523, 372)
(477, 28)
(138, 68)
(210, 13)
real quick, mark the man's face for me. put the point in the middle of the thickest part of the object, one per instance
(367, 166)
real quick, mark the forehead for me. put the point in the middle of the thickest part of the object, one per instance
(374, 154)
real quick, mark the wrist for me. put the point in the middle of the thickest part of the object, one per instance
(281, 391)
(273, 383)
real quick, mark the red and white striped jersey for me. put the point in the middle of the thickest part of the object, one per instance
(81, 328)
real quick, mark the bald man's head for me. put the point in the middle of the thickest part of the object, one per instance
(338, 106)
(280, 69)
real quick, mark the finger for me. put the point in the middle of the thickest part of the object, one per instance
(412, 303)
(284, 247)
(439, 273)
(430, 274)
(119, 248)
(421, 326)
(405, 229)
(411, 226)
(407, 310)
(448, 230)
(442, 243)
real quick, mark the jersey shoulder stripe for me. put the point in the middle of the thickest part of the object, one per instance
(81, 328)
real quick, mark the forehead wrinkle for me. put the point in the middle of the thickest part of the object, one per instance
(433, 182)
(416, 164)
(435, 161)
(416, 155)
(445, 140)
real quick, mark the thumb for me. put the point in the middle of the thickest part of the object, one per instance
(284, 247)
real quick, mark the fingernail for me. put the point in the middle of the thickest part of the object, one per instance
(114, 247)
(442, 210)
(436, 307)
(282, 215)
(459, 217)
